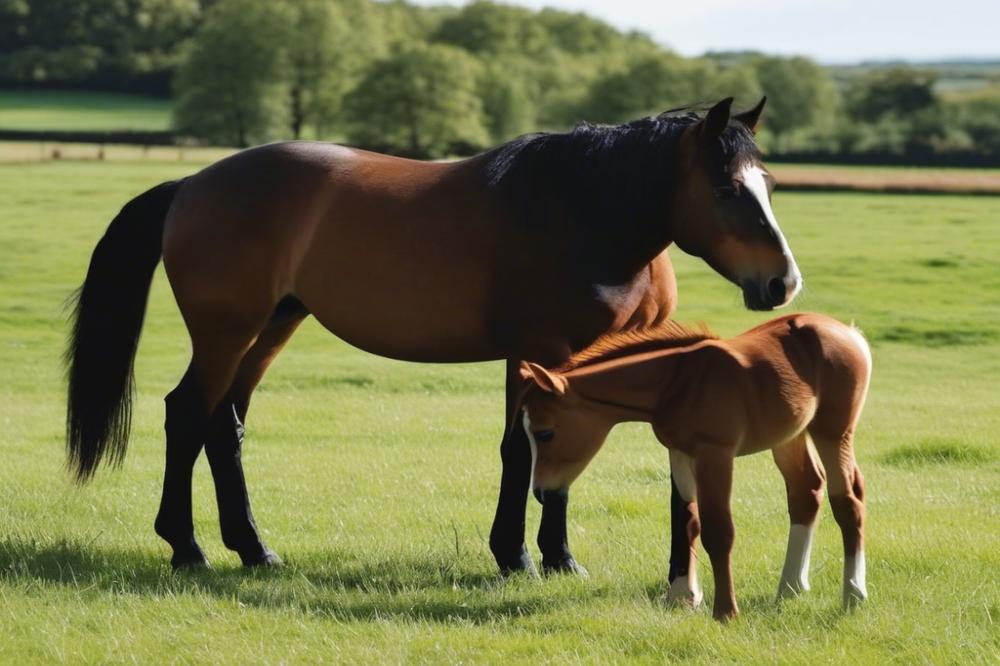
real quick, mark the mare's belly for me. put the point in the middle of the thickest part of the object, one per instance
(408, 290)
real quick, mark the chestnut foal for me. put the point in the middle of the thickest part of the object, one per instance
(710, 400)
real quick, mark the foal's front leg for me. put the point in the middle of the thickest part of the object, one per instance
(714, 478)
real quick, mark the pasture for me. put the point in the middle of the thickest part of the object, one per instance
(81, 110)
(376, 480)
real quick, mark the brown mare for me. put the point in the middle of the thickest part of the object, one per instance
(710, 400)
(529, 251)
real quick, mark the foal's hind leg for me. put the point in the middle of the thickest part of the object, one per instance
(684, 530)
(847, 495)
(804, 485)
(218, 348)
(224, 444)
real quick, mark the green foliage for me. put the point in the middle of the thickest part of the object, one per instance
(421, 101)
(799, 93)
(231, 87)
(899, 91)
(123, 44)
(535, 70)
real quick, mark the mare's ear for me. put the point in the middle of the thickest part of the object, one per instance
(751, 118)
(716, 120)
(550, 382)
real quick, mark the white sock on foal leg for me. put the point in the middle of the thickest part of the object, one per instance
(855, 590)
(795, 573)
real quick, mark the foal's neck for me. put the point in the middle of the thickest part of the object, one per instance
(630, 388)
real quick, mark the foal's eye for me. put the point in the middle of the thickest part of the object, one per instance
(543, 436)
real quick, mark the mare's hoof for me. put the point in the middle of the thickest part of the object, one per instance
(566, 565)
(190, 561)
(264, 558)
(681, 593)
(520, 564)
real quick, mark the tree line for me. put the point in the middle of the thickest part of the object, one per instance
(436, 81)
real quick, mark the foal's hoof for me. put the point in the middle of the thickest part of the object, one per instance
(566, 565)
(788, 589)
(681, 593)
(264, 558)
(854, 596)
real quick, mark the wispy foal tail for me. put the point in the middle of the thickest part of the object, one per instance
(107, 320)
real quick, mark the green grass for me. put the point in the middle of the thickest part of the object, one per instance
(376, 480)
(79, 110)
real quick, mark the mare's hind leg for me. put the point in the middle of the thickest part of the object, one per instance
(846, 489)
(225, 441)
(218, 348)
(684, 530)
(186, 421)
(804, 486)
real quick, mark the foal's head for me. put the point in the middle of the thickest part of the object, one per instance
(723, 208)
(565, 429)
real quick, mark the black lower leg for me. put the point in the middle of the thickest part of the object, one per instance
(681, 519)
(552, 541)
(507, 535)
(185, 427)
(223, 447)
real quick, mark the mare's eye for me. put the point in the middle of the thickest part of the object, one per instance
(725, 192)
(543, 436)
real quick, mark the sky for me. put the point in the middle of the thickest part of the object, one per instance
(830, 31)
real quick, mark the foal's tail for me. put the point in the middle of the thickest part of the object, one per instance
(107, 320)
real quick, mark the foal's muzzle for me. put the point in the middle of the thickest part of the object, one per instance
(539, 495)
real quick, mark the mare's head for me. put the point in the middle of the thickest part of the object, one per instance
(722, 208)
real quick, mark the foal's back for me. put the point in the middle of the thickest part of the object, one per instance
(764, 387)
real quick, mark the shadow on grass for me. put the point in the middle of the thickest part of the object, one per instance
(326, 585)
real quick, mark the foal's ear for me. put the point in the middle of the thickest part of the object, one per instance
(550, 382)
(751, 118)
(716, 120)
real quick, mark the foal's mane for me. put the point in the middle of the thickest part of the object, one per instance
(666, 335)
(604, 176)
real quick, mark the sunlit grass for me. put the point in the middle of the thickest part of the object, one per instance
(376, 480)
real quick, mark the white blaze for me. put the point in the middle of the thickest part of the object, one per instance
(752, 177)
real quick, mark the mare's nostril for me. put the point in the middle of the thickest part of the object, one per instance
(539, 495)
(776, 290)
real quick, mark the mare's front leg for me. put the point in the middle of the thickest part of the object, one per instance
(507, 534)
(804, 480)
(714, 479)
(684, 530)
(552, 540)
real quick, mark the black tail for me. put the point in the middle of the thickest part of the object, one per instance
(107, 320)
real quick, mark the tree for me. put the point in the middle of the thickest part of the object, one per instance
(230, 89)
(899, 90)
(799, 93)
(421, 101)
(649, 85)
(485, 28)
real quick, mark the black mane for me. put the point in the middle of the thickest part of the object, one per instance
(600, 176)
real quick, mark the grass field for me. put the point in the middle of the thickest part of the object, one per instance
(81, 110)
(376, 480)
